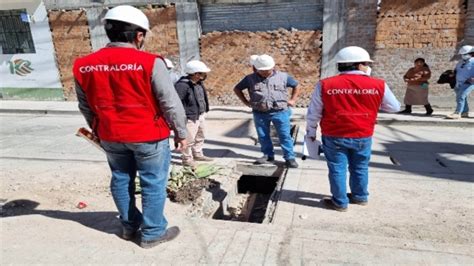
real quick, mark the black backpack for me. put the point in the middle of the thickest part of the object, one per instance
(448, 76)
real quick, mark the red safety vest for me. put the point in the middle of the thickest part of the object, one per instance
(117, 84)
(351, 103)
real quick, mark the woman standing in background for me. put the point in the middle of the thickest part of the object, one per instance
(417, 87)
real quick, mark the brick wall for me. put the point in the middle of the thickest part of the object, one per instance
(164, 39)
(361, 23)
(419, 24)
(227, 54)
(71, 40)
(410, 29)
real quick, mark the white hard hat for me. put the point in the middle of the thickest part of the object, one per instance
(352, 54)
(169, 64)
(196, 66)
(128, 14)
(264, 62)
(252, 59)
(466, 49)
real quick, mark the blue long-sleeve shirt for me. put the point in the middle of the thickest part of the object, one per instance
(315, 109)
(464, 72)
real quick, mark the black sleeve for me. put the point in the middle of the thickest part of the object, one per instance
(182, 88)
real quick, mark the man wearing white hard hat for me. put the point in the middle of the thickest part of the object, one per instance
(464, 82)
(252, 62)
(129, 101)
(193, 95)
(346, 107)
(269, 100)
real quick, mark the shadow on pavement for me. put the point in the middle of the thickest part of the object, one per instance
(445, 160)
(303, 198)
(227, 153)
(106, 222)
(241, 130)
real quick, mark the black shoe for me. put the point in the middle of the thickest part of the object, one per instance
(429, 110)
(354, 201)
(265, 159)
(406, 111)
(331, 205)
(170, 234)
(129, 234)
(291, 163)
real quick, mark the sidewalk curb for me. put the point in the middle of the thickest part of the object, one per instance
(39, 111)
(297, 118)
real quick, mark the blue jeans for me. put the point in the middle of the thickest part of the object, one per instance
(152, 161)
(281, 120)
(341, 152)
(461, 98)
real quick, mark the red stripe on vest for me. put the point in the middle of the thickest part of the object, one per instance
(351, 103)
(117, 83)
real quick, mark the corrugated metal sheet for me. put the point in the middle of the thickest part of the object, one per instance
(307, 15)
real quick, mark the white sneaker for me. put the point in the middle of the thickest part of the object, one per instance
(453, 116)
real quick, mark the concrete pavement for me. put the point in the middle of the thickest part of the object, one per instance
(239, 112)
(417, 172)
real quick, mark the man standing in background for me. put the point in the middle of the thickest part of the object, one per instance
(464, 82)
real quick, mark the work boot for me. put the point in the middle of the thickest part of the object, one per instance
(170, 234)
(129, 234)
(265, 159)
(189, 162)
(202, 158)
(453, 116)
(429, 110)
(291, 163)
(354, 201)
(465, 115)
(331, 205)
(407, 110)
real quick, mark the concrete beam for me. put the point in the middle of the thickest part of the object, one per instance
(96, 28)
(333, 35)
(469, 26)
(189, 31)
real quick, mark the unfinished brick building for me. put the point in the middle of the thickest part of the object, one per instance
(225, 33)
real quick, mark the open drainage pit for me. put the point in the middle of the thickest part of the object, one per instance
(253, 196)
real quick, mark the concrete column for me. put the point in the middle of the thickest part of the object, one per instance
(469, 26)
(96, 28)
(333, 35)
(189, 30)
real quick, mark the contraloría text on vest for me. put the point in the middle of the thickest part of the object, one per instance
(353, 91)
(110, 68)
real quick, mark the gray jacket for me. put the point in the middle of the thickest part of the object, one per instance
(267, 94)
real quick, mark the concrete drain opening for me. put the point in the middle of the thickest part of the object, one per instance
(254, 196)
(241, 192)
